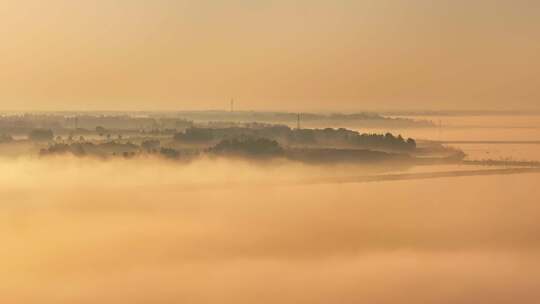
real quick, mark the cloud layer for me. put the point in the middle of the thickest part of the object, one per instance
(90, 231)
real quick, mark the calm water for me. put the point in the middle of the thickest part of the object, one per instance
(482, 128)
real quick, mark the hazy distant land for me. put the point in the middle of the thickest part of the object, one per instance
(22, 121)
(189, 135)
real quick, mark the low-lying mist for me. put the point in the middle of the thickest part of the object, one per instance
(80, 230)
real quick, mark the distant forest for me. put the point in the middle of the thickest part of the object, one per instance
(301, 137)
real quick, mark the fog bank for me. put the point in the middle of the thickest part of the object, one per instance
(89, 231)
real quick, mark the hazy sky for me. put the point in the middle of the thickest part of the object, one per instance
(294, 55)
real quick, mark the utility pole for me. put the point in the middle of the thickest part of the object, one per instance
(298, 122)
(440, 129)
(232, 105)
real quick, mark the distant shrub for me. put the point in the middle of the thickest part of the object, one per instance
(150, 145)
(169, 153)
(195, 135)
(41, 135)
(248, 147)
(76, 149)
(4, 138)
(101, 130)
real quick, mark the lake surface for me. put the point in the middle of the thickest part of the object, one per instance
(476, 130)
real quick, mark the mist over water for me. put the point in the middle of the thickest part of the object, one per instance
(91, 231)
(469, 133)
(269, 152)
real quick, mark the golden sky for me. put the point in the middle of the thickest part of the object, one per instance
(311, 55)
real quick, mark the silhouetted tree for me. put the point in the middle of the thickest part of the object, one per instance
(5, 138)
(169, 153)
(41, 135)
(150, 145)
(248, 147)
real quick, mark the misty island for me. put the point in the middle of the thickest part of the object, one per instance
(190, 135)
